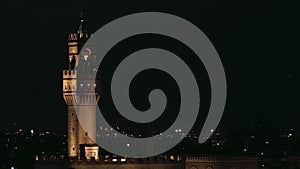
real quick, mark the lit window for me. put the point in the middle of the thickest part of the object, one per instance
(73, 49)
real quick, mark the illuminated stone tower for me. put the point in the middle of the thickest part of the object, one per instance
(79, 95)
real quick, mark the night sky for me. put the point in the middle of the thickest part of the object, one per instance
(258, 43)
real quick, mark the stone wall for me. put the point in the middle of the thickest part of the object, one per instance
(126, 166)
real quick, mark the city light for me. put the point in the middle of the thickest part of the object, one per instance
(123, 159)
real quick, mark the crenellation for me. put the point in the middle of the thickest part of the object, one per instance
(69, 74)
(73, 36)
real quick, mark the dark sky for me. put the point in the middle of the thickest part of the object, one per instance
(258, 43)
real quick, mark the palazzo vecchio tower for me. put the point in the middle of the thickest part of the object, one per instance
(79, 95)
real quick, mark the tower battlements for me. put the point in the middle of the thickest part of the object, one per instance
(69, 74)
(73, 36)
(73, 82)
(88, 75)
(76, 36)
(76, 99)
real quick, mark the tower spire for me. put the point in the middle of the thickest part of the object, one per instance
(81, 15)
(81, 28)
